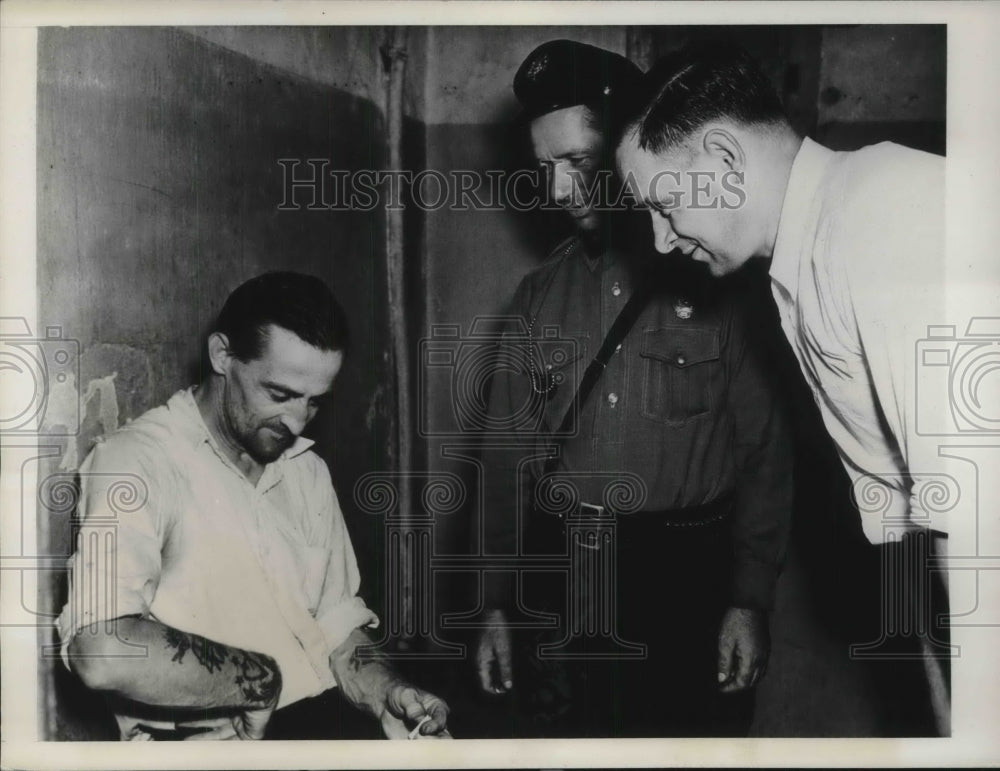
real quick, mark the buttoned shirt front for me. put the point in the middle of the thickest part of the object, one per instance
(858, 275)
(682, 410)
(171, 530)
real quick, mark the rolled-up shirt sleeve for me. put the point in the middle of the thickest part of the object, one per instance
(115, 567)
(763, 507)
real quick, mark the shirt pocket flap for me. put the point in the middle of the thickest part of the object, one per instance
(680, 347)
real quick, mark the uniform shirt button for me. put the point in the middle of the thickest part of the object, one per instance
(616, 289)
(618, 347)
(681, 360)
(612, 399)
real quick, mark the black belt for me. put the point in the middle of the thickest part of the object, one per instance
(688, 516)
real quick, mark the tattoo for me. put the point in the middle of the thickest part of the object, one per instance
(178, 640)
(257, 675)
(210, 655)
(363, 655)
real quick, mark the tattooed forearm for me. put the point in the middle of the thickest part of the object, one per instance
(362, 673)
(364, 654)
(256, 674)
(259, 677)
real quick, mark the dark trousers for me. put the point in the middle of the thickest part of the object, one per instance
(673, 583)
(911, 624)
(327, 716)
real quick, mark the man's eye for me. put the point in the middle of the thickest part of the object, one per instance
(279, 397)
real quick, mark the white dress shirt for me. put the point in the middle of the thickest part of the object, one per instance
(173, 531)
(858, 276)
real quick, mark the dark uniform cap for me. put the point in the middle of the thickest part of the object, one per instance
(564, 73)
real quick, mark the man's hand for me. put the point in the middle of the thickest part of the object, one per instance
(744, 646)
(368, 682)
(407, 706)
(251, 723)
(493, 654)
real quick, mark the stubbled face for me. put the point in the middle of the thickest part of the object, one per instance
(267, 402)
(570, 150)
(708, 224)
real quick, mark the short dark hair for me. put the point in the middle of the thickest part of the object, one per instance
(702, 82)
(302, 304)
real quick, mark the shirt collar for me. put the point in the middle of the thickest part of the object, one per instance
(194, 429)
(808, 170)
(598, 263)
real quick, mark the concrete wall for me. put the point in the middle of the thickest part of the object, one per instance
(882, 83)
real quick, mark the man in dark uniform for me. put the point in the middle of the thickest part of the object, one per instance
(678, 452)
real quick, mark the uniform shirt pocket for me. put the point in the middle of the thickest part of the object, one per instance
(680, 372)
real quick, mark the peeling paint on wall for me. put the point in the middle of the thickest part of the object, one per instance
(62, 404)
(65, 409)
(104, 388)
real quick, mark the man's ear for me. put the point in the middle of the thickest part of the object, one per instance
(721, 144)
(219, 355)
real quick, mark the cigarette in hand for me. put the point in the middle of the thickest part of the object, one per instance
(416, 729)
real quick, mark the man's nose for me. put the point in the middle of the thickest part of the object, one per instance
(562, 186)
(296, 416)
(664, 237)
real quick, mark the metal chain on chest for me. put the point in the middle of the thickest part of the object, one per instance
(542, 383)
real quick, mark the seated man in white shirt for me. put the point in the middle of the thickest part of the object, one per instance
(856, 251)
(214, 580)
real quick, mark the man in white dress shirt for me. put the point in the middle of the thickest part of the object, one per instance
(214, 579)
(856, 249)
